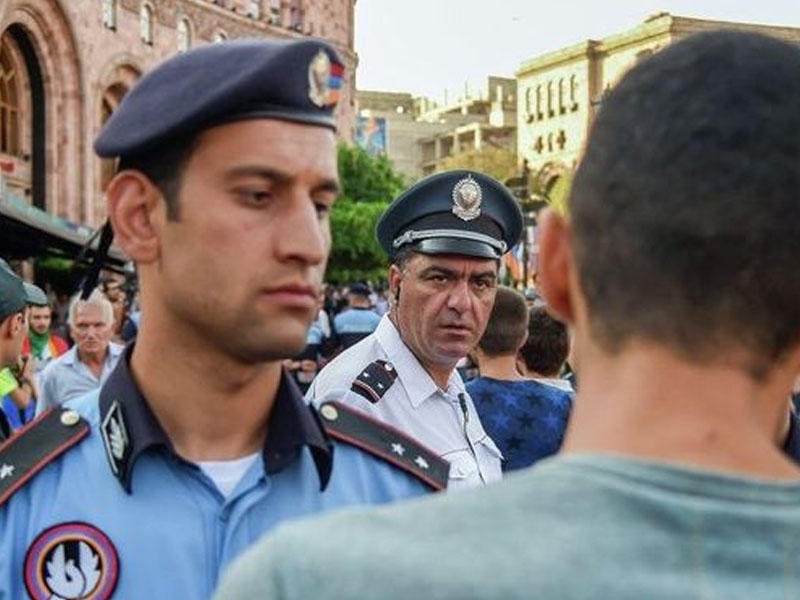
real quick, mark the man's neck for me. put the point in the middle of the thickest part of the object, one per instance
(503, 368)
(93, 360)
(648, 403)
(211, 406)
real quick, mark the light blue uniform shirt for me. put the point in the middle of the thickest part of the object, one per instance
(354, 324)
(122, 512)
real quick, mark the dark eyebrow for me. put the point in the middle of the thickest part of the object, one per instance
(434, 269)
(482, 274)
(279, 177)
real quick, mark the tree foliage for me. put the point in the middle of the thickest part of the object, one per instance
(368, 186)
(499, 163)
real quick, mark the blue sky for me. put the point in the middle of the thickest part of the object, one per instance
(427, 46)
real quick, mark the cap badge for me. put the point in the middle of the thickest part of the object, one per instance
(319, 74)
(467, 197)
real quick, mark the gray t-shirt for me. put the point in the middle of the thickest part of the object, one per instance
(570, 527)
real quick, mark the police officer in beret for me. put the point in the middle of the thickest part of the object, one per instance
(445, 237)
(198, 442)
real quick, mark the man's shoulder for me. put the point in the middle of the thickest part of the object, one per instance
(45, 442)
(345, 367)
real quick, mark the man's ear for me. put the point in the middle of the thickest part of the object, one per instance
(137, 213)
(395, 277)
(556, 264)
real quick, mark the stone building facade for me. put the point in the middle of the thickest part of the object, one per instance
(559, 92)
(66, 64)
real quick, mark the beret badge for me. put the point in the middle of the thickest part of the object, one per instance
(467, 197)
(319, 80)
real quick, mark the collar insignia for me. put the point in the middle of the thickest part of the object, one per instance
(116, 439)
(467, 197)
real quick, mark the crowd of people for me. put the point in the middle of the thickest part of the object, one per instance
(641, 395)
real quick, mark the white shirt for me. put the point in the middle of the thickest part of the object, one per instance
(415, 405)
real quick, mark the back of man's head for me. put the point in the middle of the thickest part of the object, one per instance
(507, 326)
(686, 205)
(547, 346)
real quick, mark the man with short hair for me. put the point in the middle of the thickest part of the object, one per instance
(358, 320)
(445, 236)
(15, 295)
(41, 343)
(198, 442)
(545, 350)
(675, 271)
(85, 366)
(525, 418)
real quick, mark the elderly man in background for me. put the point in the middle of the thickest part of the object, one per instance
(87, 364)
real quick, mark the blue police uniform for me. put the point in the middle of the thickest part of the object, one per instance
(354, 324)
(94, 500)
(122, 513)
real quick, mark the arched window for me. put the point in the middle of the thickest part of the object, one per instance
(562, 96)
(146, 24)
(184, 35)
(220, 36)
(110, 14)
(9, 104)
(551, 98)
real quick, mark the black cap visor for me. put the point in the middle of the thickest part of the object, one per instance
(462, 247)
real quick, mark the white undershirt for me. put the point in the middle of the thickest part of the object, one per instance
(227, 473)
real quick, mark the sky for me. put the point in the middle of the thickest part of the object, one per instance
(428, 46)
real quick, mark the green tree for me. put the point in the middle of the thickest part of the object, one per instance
(368, 186)
(499, 163)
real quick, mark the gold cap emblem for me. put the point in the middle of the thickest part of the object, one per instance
(319, 75)
(467, 197)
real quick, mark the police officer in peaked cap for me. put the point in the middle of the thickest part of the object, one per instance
(198, 442)
(445, 237)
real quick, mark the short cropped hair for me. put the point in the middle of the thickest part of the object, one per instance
(507, 325)
(96, 298)
(686, 204)
(164, 165)
(547, 346)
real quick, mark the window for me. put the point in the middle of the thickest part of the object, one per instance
(110, 14)
(274, 12)
(562, 96)
(529, 100)
(539, 102)
(146, 24)
(9, 104)
(184, 35)
(573, 92)
(551, 99)
(296, 15)
(254, 9)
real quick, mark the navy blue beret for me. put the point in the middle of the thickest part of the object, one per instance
(218, 83)
(454, 212)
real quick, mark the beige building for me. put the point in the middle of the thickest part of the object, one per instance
(559, 92)
(417, 134)
(66, 64)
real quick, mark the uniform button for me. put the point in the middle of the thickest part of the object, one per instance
(70, 418)
(329, 412)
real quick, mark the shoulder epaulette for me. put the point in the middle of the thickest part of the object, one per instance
(36, 445)
(353, 427)
(374, 381)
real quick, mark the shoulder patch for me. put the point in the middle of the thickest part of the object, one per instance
(36, 445)
(352, 427)
(374, 381)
